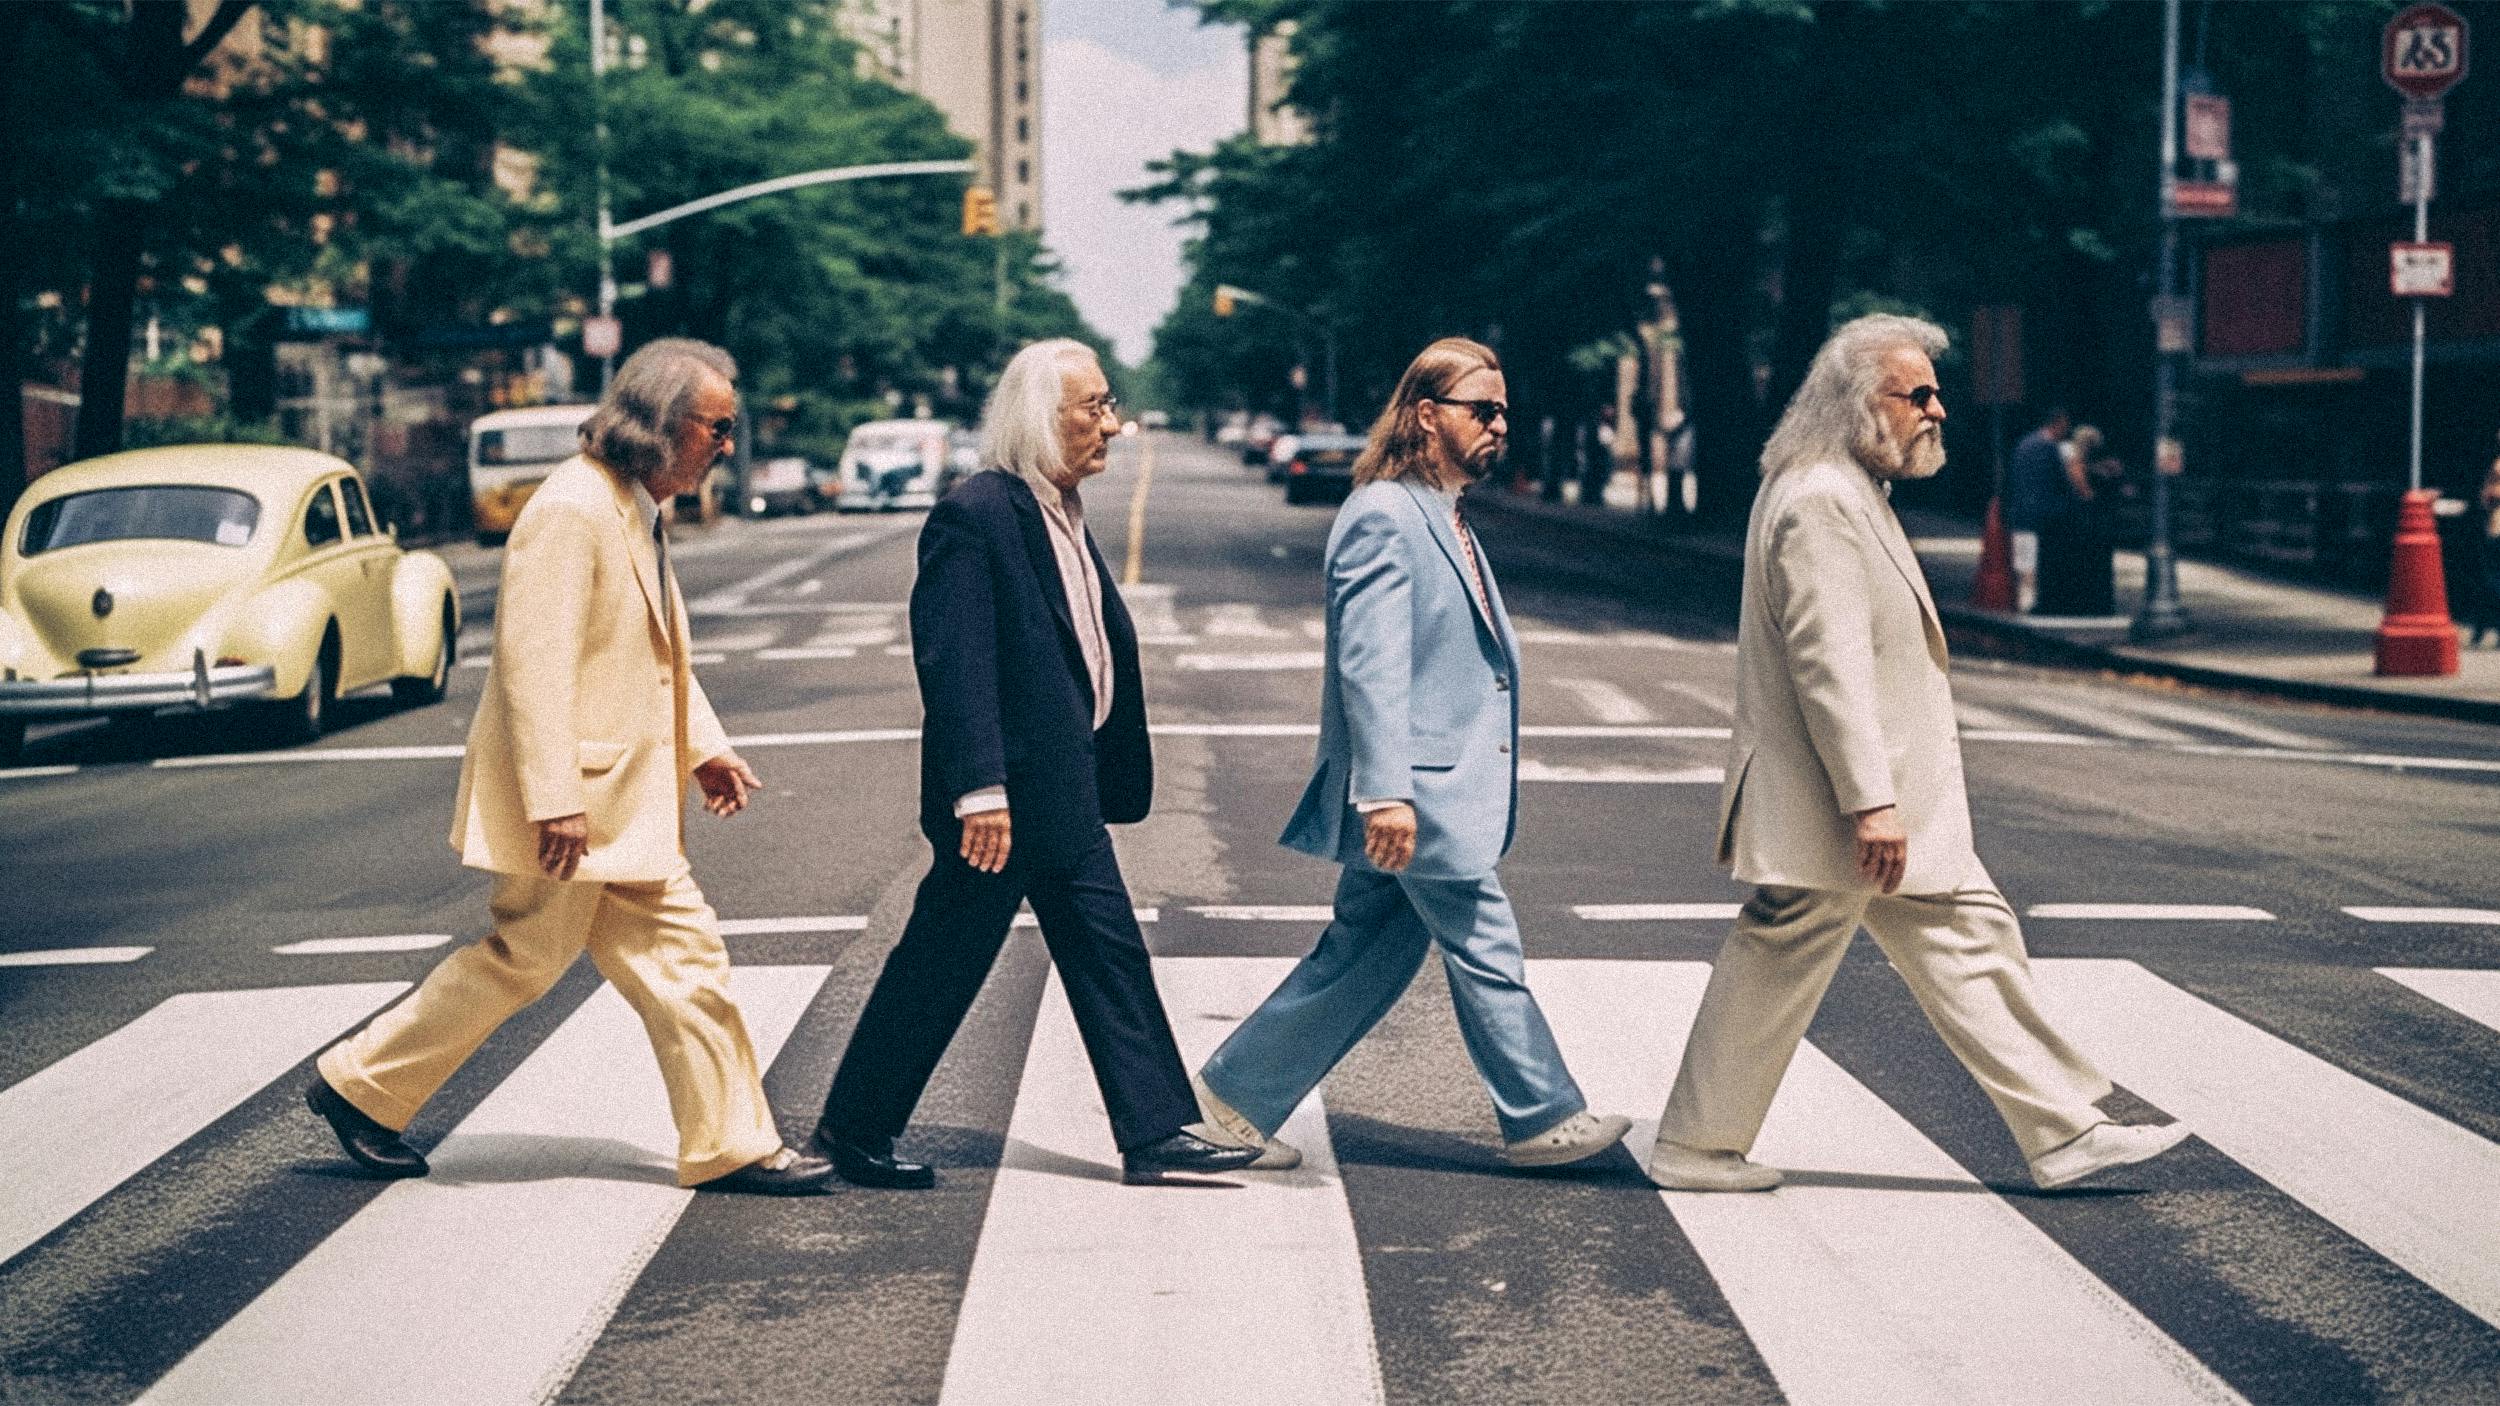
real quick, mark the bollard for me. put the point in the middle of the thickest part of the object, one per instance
(2417, 639)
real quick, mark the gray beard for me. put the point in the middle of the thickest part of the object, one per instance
(1887, 460)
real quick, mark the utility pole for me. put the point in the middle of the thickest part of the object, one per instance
(2161, 615)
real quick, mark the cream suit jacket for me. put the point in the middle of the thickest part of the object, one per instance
(1841, 699)
(590, 707)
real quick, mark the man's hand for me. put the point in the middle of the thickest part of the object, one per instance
(986, 840)
(561, 844)
(1389, 837)
(726, 781)
(1883, 847)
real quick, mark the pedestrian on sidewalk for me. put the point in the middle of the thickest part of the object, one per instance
(572, 793)
(1416, 792)
(1844, 802)
(2076, 577)
(2487, 613)
(1034, 743)
(2035, 486)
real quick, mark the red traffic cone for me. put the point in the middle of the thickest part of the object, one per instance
(2417, 639)
(1993, 587)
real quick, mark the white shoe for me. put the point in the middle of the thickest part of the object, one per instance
(2103, 1146)
(1676, 1167)
(1582, 1135)
(1225, 1124)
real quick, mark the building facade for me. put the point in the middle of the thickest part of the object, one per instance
(980, 63)
(1273, 120)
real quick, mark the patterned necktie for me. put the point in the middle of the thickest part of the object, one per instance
(1467, 547)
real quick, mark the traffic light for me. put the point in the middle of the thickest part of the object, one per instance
(980, 211)
(1223, 302)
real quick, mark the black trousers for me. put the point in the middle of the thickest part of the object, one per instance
(958, 922)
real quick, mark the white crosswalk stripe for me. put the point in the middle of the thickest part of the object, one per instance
(1604, 701)
(2472, 994)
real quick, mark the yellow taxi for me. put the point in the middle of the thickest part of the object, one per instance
(207, 575)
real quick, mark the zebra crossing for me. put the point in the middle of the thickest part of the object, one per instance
(1894, 1265)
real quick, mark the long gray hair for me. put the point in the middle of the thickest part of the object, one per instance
(1020, 422)
(1832, 417)
(635, 426)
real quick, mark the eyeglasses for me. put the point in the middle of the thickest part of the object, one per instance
(1485, 411)
(722, 428)
(1919, 397)
(1098, 406)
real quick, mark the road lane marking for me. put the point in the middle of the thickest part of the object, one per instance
(574, 1151)
(84, 1125)
(707, 658)
(1689, 734)
(733, 596)
(1534, 635)
(2152, 912)
(757, 927)
(1135, 568)
(1024, 917)
(1266, 913)
(73, 956)
(862, 638)
(807, 652)
(1235, 729)
(2213, 720)
(1219, 663)
(1608, 703)
(2401, 1180)
(1655, 912)
(1240, 621)
(2478, 917)
(1695, 693)
(1857, 1281)
(2037, 739)
(1979, 717)
(816, 739)
(28, 773)
(344, 946)
(1531, 770)
(1085, 1290)
(2470, 993)
(739, 641)
(2103, 718)
(312, 754)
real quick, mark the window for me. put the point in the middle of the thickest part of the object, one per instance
(1024, 173)
(359, 521)
(223, 517)
(321, 519)
(1024, 130)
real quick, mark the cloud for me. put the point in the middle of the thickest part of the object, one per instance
(1104, 116)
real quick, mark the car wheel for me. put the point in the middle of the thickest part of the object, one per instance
(303, 718)
(1296, 492)
(416, 692)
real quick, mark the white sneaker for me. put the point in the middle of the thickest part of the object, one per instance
(1676, 1167)
(2103, 1146)
(1225, 1124)
(1582, 1135)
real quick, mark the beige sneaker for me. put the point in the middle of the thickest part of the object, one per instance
(1224, 1124)
(1676, 1167)
(1576, 1138)
(2103, 1146)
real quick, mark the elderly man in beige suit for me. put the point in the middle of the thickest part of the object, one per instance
(1845, 805)
(573, 795)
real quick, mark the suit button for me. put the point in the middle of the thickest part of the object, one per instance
(1501, 684)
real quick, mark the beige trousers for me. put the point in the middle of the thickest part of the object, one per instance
(658, 943)
(1961, 954)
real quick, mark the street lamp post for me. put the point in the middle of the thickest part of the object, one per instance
(2161, 615)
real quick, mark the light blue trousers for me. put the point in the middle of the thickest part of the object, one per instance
(1384, 923)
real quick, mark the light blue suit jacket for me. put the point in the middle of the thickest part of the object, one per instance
(1421, 698)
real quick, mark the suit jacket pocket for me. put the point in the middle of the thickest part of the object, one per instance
(1437, 751)
(597, 757)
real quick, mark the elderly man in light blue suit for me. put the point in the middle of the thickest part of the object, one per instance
(1416, 791)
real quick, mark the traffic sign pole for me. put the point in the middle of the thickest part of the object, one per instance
(2161, 615)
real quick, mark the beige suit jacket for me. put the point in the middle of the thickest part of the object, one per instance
(1841, 699)
(590, 706)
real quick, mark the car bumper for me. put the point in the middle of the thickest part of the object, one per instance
(79, 695)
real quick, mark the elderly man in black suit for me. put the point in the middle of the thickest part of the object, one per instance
(1035, 711)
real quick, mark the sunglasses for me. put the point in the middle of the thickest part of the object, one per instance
(1099, 405)
(1920, 397)
(1485, 411)
(722, 428)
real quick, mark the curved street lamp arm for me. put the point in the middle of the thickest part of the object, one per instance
(633, 227)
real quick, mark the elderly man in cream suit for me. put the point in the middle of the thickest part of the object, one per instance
(573, 794)
(1845, 805)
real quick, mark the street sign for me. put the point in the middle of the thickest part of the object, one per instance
(2204, 200)
(2424, 117)
(2422, 270)
(660, 270)
(2208, 127)
(2171, 326)
(2417, 173)
(2423, 52)
(602, 336)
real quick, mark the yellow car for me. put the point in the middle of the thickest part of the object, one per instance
(206, 575)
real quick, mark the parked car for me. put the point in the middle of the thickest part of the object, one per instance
(963, 459)
(510, 453)
(1321, 469)
(1155, 420)
(777, 485)
(1259, 437)
(1280, 453)
(889, 464)
(207, 576)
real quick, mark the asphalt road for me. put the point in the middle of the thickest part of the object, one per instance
(2279, 923)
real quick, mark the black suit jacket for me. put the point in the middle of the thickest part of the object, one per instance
(1003, 683)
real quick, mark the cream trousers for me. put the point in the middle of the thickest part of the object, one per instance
(1961, 954)
(658, 943)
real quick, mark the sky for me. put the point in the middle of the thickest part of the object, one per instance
(1125, 82)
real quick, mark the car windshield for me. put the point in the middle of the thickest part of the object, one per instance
(528, 444)
(888, 441)
(223, 517)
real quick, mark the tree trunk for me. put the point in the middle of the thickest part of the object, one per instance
(112, 294)
(1818, 211)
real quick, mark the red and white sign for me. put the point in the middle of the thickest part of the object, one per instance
(2208, 200)
(2208, 127)
(2422, 270)
(602, 336)
(2423, 53)
(660, 270)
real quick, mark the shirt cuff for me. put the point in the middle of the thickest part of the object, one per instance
(1367, 807)
(975, 802)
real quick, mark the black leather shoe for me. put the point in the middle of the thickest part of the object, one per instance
(873, 1163)
(376, 1148)
(1182, 1152)
(785, 1173)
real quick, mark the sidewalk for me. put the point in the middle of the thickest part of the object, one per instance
(2251, 632)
